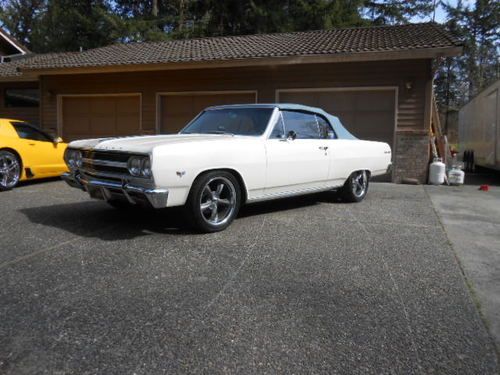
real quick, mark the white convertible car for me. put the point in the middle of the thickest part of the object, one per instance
(228, 156)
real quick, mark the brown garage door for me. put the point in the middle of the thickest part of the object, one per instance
(178, 109)
(100, 116)
(366, 114)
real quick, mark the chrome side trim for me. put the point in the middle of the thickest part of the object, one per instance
(289, 194)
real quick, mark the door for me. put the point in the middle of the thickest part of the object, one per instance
(100, 116)
(40, 154)
(176, 110)
(297, 164)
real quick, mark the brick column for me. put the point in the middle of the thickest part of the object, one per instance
(411, 158)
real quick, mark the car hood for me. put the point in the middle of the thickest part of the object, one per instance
(146, 144)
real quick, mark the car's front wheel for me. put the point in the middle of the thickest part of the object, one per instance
(356, 187)
(10, 170)
(214, 201)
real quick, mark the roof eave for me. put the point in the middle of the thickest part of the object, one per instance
(423, 53)
(12, 41)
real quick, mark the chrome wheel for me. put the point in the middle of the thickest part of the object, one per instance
(10, 170)
(359, 183)
(218, 201)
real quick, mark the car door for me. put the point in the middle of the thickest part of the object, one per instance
(40, 154)
(299, 162)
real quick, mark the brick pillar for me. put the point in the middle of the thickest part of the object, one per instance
(412, 156)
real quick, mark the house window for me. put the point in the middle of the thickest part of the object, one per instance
(21, 98)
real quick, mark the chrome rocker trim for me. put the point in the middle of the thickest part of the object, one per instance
(100, 189)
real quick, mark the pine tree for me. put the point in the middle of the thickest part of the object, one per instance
(460, 78)
(382, 12)
(21, 18)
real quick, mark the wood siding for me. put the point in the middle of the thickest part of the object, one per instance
(30, 114)
(410, 76)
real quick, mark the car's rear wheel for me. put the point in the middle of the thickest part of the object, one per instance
(10, 170)
(214, 201)
(356, 187)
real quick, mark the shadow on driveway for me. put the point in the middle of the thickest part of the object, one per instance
(95, 219)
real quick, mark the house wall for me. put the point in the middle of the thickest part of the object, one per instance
(412, 77)
(31, 114)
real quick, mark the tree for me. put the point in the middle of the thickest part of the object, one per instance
(382, 12)
(68, 25)
(21, 18)
(460, 78)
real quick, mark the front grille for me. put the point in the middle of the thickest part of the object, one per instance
(105, 164)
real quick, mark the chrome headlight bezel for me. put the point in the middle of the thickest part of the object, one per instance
(73, 158)
(140, 166)
(134, 165)
(146, 171)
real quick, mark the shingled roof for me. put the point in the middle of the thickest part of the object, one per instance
(363, 40)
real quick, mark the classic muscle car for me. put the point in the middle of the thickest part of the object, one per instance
(27, 153)
(228, 156)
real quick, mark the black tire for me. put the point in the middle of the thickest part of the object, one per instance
(11, 169)
(356, 187)
(202, 203)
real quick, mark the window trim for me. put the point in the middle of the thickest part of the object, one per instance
(304, 112)
(34, 128)
(6, 89)
(329, 124)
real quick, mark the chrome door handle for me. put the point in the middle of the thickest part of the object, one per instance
(324, 148)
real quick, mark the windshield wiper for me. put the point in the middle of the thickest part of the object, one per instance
(219, 132)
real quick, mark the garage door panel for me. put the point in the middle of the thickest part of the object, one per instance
(127, 123)
(100, 116)
(337, 102)
(177, 110)
(375, 101)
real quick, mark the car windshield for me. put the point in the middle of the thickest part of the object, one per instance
(234, 121)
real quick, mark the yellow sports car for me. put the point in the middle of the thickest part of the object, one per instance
(28, 153)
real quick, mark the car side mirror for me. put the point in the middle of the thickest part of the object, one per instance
(57, 140)
(291, 135)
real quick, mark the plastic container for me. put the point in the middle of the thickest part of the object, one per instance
(456, 176)
(437, 172)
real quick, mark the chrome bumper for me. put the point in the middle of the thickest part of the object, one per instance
(107, 190)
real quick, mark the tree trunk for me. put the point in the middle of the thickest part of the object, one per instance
(154, 10)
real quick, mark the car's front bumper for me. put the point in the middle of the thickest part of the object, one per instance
(109, 190)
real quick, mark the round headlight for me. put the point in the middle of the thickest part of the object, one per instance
(78, 159)
(70, 158)
(146, 168)
(135, 166)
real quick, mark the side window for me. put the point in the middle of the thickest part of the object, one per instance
(279, 129)
(25, 131)
(303, 124)
(325, 129)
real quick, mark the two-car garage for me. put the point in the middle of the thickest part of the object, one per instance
(368, 113)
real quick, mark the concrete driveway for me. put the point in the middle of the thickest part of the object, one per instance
(303, 285)
(471, 219)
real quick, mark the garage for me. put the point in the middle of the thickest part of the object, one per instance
(100, 116)
(367, 113)
(177, 109)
